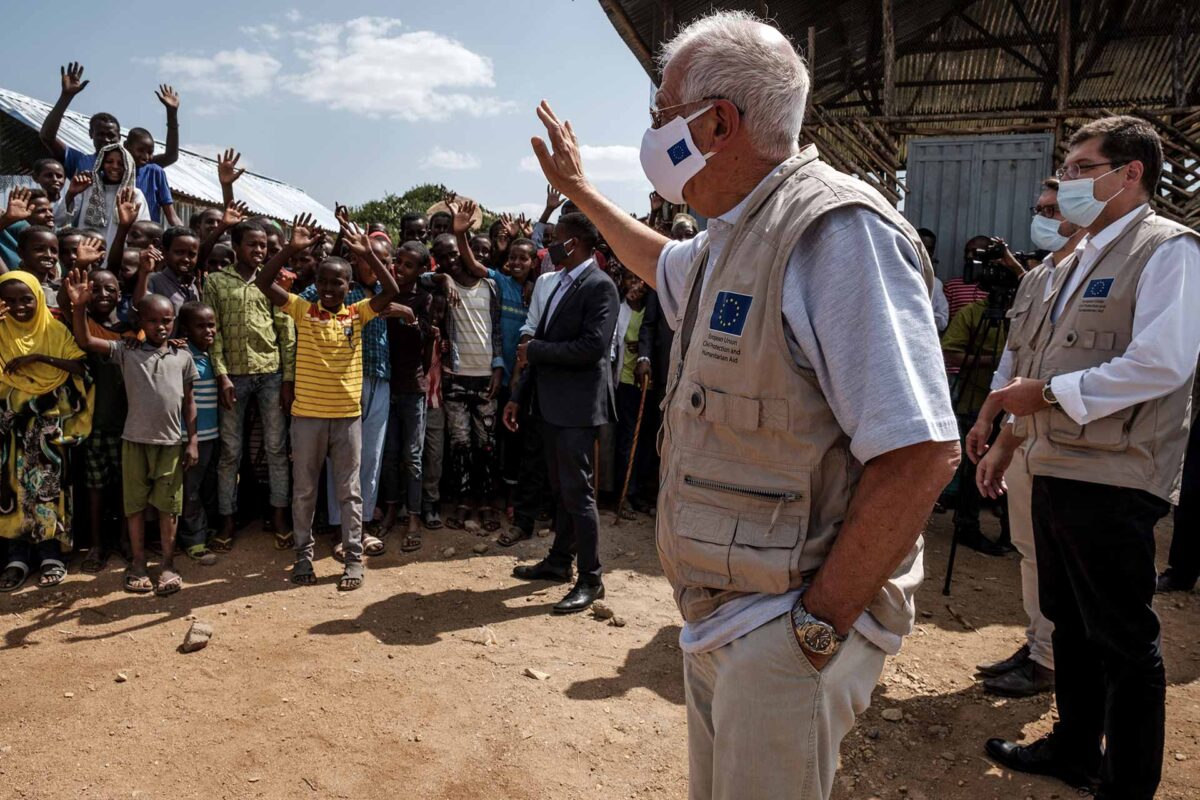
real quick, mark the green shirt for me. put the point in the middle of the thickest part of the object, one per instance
(253, 337)
(631, 336)
(971, 385)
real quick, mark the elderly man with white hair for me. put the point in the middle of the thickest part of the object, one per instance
(808, 426)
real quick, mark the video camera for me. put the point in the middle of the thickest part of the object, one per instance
(986, 267)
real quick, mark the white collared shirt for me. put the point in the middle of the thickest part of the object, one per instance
(1166, 330)
(1004, 369)
(565, 280)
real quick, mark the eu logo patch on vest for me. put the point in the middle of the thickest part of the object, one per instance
(730, 312)
(678, 152)
(1098, 288)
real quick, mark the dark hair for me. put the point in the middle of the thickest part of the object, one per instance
(924, 233)
(523, 242)
(340, 263)
(440, 214)
(92, 275)
(139, 133)
(242, 228)
(63, 233)
(42, 163)
(218, 246)
(581, 228)
(148, 298)
(101, 118)
(143, 224)
(417, 249)
(174, 232)
(443, 239)
(409, 217)
(189, 310)
(29, 232)
(478, 237)
(1051, 184)
(1123, 140)
(194, 220)
(269, 225)
(38, 194)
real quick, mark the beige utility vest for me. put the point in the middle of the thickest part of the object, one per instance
(756, 472)
(1140, 447)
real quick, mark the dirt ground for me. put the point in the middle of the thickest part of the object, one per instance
(414, 686)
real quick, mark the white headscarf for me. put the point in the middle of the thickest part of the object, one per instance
(96, 215)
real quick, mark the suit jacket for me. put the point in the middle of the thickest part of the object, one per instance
(569, 378)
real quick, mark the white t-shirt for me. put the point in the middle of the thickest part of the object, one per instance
(473, 330)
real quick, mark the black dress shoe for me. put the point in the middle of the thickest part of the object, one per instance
(641, 506)
(543, 571)
(1017, 659)
(579, 598)
(969, 537)
(1039, 758)
(1167, 582)
(1027, 680)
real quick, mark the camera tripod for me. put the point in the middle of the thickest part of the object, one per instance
(989, 339)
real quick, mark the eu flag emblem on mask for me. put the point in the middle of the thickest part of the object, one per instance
(1098, 288)
(679, 152)
(729, 313)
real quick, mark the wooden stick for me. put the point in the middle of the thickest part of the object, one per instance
(637, 430)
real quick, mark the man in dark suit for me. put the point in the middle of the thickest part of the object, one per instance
(568, 382)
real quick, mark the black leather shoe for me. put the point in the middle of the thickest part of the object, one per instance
(1169, 583)
(543, 571)
(1027, 680)
(975, 540)
(579, 598)
(641, 506)
(1017, 659)
(1039, 758)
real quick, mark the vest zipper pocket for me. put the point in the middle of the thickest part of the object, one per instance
(781, 496)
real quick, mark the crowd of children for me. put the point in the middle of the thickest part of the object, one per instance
(208, 372)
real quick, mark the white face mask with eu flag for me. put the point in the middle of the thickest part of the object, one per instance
(670, 158)
(1077, 199)
(1043, 232)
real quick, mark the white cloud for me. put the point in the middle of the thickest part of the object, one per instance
(213, 151)
(293, 15)
(264, 31)
(368, 66)
(441, 158)
(613, 163)
(229, 75)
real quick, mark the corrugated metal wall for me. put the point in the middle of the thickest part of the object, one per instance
(975, 185)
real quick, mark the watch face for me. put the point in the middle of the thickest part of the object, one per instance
(818, 639)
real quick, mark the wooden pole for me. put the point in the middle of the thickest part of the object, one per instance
(1177, 55)
(889, 60)
(811, 55)
(1063, 95)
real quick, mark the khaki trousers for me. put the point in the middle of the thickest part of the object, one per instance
(1020, 526)
(763, 724)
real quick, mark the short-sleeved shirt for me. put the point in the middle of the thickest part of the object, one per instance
(204, 391)
(473, 329)
(154, 380)
(167, 284)
(512, 317)
(77, 161)
(152, 180)
(376, 363)
(329, 358)
(628, 359)
(109, 406)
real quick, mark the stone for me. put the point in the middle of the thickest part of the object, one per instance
(68, 695)
(892, 714)
(544, 533)
(481, 548)
(537, 675)
(197, 637)
(617, 622)
(948, 756)
(873, 733)
(448, 552)
(121, 677)
(602, 610)
(1180, 757)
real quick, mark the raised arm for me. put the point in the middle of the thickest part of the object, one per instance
(72, 84)
(228, 173)
(360, 244)
(637, 245)
(167, 96)
(464, 211)
(303, 235)
(234, 213)
(148, 261)
(80, 292)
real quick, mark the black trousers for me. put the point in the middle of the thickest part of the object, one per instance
(569, 467)
(532, 487)
(1096, 578)
(629, 397)
(1183, 564)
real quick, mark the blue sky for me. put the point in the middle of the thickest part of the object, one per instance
(351, 100)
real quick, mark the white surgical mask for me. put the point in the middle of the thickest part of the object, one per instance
(670, 158)
(1077, 199)
(1044, 233)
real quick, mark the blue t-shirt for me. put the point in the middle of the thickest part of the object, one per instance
(151, 180)
(204, 390)
(512, 316)
(8, 244)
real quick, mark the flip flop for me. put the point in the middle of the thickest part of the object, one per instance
(512, 536)
(373, 545)
(168, 586)
(221, 544)
(285, 541)
(201, 555)
(411, 542)
(94, 561)
(138, 584)
(12, 586)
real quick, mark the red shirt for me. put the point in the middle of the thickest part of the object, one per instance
(959, 294)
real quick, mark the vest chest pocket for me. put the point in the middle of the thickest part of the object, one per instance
(1018, 318)
(1110, 434)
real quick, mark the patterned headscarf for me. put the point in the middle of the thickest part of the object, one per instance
(96, 215)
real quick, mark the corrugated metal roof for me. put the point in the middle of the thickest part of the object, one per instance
(193, 176)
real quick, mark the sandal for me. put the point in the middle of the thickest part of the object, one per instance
(221, 544)
(373, 545)
(94, 561)
(53, 573)
(458, 520)
(432, 520)
(169, 582)
(285, 541)
(352, 577)
(201, 555)
(13, 577)
(302, 573)
(138, 584)
(512, 536)
(411, 542)
(491, 519)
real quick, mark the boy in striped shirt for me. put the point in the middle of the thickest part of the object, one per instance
(199, 325)
(326, 413)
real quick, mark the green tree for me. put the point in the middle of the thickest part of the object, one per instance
(392, 207)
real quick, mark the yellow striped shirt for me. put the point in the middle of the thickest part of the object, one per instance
(328, 358)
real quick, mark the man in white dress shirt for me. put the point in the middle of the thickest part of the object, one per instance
(1104, 364)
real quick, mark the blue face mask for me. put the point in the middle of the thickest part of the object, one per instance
(1044, 233)
(1077, 199)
